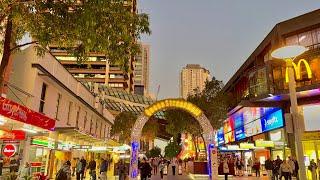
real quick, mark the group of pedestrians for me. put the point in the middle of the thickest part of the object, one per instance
(155, 165)
(79, 166)
(276, 169)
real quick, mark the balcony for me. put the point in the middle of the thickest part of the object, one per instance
(102, 63)
(86, 71)
(92, 79)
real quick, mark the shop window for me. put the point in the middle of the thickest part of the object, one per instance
(258, 82)
(58, 105)
(42, 98)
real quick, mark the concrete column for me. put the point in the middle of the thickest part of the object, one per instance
(26, 151)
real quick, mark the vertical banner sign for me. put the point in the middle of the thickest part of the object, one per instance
(134, 160)
(212, 162)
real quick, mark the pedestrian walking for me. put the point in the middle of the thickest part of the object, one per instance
(161, 167)
(225, 169)
(249, 166)
(122, 170)
(285, 169)
(78, 169)
(83, 170)
(145, 169)
(276, 168)
(269, 167)
(173, 166)
(257, 168)
(25, 171)
(313, 169)
(291, 163)
(239, 166)
(155, 163)
(296, 168)
(65, 172)
(73, 165)
(92, 169)
(103, 169)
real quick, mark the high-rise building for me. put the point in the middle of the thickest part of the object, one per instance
(192, 79)
(141, 70)
(96, 69)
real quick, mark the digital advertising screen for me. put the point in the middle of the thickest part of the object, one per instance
(272, 121)
(253, 128)
(220, 136)
(239, 128)
(228, 130)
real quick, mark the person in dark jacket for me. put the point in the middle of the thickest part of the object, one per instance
(92, 167)
(269, 167)
(103, 169)
(145, 169)
(122, 170)
(84, 165)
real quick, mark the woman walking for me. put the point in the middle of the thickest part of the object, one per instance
(225, 169)
(286, 170)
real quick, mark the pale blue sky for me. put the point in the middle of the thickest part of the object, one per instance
(217, 34)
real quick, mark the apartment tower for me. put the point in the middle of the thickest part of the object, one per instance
(141, 70)
(192, 79)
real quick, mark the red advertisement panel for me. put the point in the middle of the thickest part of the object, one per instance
(12, 135)
(23, 114)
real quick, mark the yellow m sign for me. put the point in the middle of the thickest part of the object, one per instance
(297, 69)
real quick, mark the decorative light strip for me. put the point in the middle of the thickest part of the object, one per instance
(173, 103)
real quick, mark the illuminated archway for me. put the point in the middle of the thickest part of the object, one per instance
(196, 112)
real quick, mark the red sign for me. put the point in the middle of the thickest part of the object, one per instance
(23, 114)
(12, 135)
(9, 150)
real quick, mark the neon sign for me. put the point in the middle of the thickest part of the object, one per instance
(297, 69)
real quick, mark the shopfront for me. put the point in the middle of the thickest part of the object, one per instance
(258, 132)
(18, 125)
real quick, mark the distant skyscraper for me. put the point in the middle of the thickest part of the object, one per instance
(141, 70)
(193, 77)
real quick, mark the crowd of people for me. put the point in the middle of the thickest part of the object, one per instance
(154, 165)
(78, 167)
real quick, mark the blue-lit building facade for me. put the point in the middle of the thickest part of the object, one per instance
(259, 123)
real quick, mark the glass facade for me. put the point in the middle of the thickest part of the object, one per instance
(258, 82)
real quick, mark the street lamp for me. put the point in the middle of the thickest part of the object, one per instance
(288, 53)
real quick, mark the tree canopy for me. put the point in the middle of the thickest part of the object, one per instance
(124, 122)
(154, 152)
(172, 149)
(105, 26)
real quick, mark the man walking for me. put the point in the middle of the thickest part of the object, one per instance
(84, 165)
(103, 169)
(269, 168)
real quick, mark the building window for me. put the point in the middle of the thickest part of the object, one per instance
(42, 98)
(58, 105)
(69, 112)
(96, 128)
(77, 118)
(91, 124)
(85, 120)
(309, 39)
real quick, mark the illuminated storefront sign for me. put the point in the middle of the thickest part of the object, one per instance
(220, 136)
(12, 135)
(82, 147)
(272, 121)
(23, 114)
(297, 69)
(262, 143)
(9, 150)
(44, 143)
(253, 128)
(233, 147)
(239, 128)
(247, 146)
(228, 130)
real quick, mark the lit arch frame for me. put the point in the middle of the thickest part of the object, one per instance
(196, 112)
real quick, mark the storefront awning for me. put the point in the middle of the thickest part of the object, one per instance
(74, 133)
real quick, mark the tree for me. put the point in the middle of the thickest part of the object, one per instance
(172, 149)
(154, 152)
(106, 26)
(211, 101)
(124, 122)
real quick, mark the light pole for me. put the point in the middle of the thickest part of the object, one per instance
(288, 53)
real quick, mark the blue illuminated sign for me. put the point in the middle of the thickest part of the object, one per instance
(239, 128)
(220, 136)
(272, 121)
